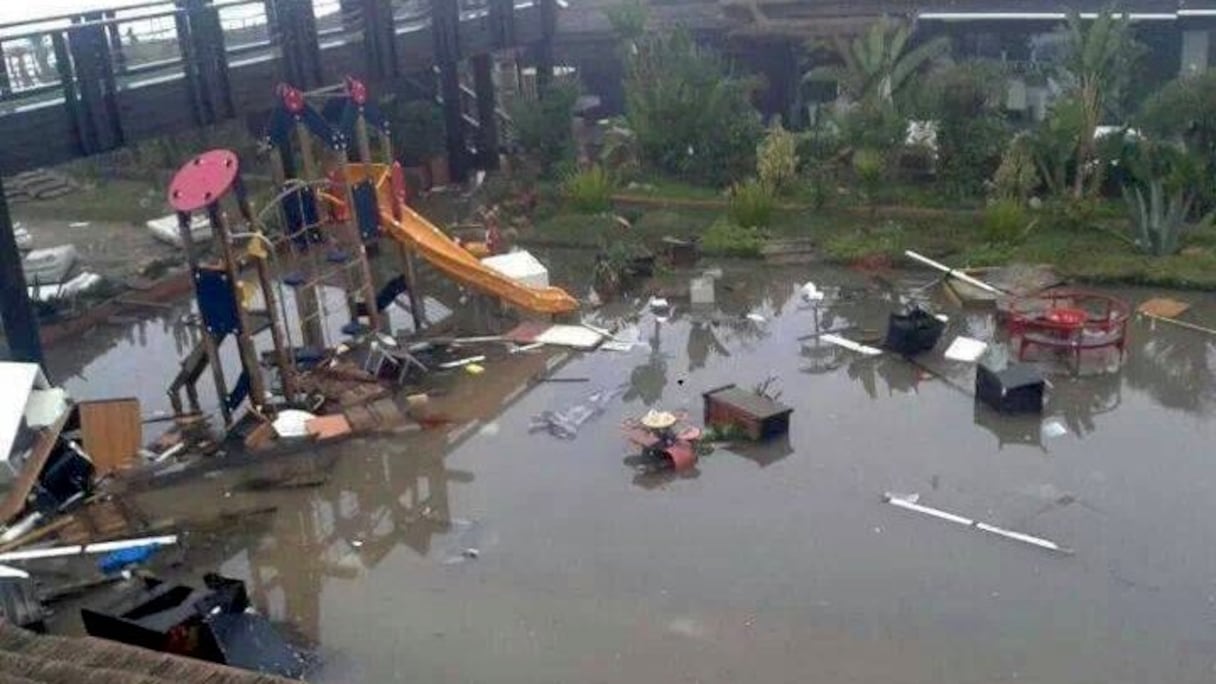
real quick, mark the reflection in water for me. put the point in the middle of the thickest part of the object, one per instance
(340, 532)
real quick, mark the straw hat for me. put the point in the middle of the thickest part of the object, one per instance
(658, 420)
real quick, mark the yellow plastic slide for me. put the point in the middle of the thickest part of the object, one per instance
(420, 235)
(437, 248)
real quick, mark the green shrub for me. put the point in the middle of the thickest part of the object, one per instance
(692, 118)
(727, 238)
(870, 166)
(965, 101)
(418, 131)
(777, 159)
(543, 126)
(1016, 178)
(1005, 221)
(887, 240)
(752, 204)
(589, 191)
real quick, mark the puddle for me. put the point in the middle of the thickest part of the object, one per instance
(765, 564)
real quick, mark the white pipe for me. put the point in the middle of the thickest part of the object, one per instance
(16, 573)
(462, 362)
(959, 275)
(910, 505)
(76, 549)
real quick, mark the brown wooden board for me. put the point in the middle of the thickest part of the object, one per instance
(111, 432)
(1163, 307)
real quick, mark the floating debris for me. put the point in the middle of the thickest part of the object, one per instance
(910, 502)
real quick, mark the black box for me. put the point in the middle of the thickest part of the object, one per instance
(913, 333)
(1015, 388)
(168, 617)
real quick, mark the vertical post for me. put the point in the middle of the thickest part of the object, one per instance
(210, 348)
(286, 370)
(359, 250)
(6, 85)
(67, 80)
(487, 114)
(311, 326)
(115, 35)
(16, 312)
(244, 336)
(544, 49)
(502, 23)
(445, 26)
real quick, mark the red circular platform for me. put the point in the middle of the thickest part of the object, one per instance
(204, 180)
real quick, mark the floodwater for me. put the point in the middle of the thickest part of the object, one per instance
(491, 554)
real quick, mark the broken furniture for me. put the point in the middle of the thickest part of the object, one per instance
(19, 603)
(662, 439)
(1009, 387)
(111, 433)
(680, 253)
(914, 332)
(757, 416)
(1069, 321)
(212, 623)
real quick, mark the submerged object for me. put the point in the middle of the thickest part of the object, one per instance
(49, 265)
(911, 502)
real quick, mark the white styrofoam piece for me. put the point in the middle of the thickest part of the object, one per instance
(292, 423)
(49, 265)
(19, 380)
(165, 229)
(573, 336)
(966, 349)
(701, 291)
(45, 406)
(521, 267)
(82, 283)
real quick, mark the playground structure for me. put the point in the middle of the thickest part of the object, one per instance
(339, 193)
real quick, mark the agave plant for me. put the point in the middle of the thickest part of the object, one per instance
(1161, 195)
(878, 65)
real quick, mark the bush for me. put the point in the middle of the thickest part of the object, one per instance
(589, 191)
(1005, 222)
(692, 118)
(1016, 178)
(875, 126)
(971, 132)
(727, 238)
(418, 131)
(543, 126)
(777, 159)
(752, 204)
(869, 165)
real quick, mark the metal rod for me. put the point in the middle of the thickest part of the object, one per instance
(1180, 324)
(910, 504)
(959, 275)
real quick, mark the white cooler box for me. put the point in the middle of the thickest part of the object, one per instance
(520, 266)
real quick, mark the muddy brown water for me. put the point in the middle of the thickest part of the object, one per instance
(490, 554)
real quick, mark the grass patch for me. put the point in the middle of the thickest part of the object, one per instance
(111, 201)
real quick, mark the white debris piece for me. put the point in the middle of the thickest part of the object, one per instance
(850, 344)
(966, 349)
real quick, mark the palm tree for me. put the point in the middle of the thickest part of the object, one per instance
(878, 65)
(1099, 59)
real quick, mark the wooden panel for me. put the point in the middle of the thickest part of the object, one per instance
(112, 432)
(15, 501)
